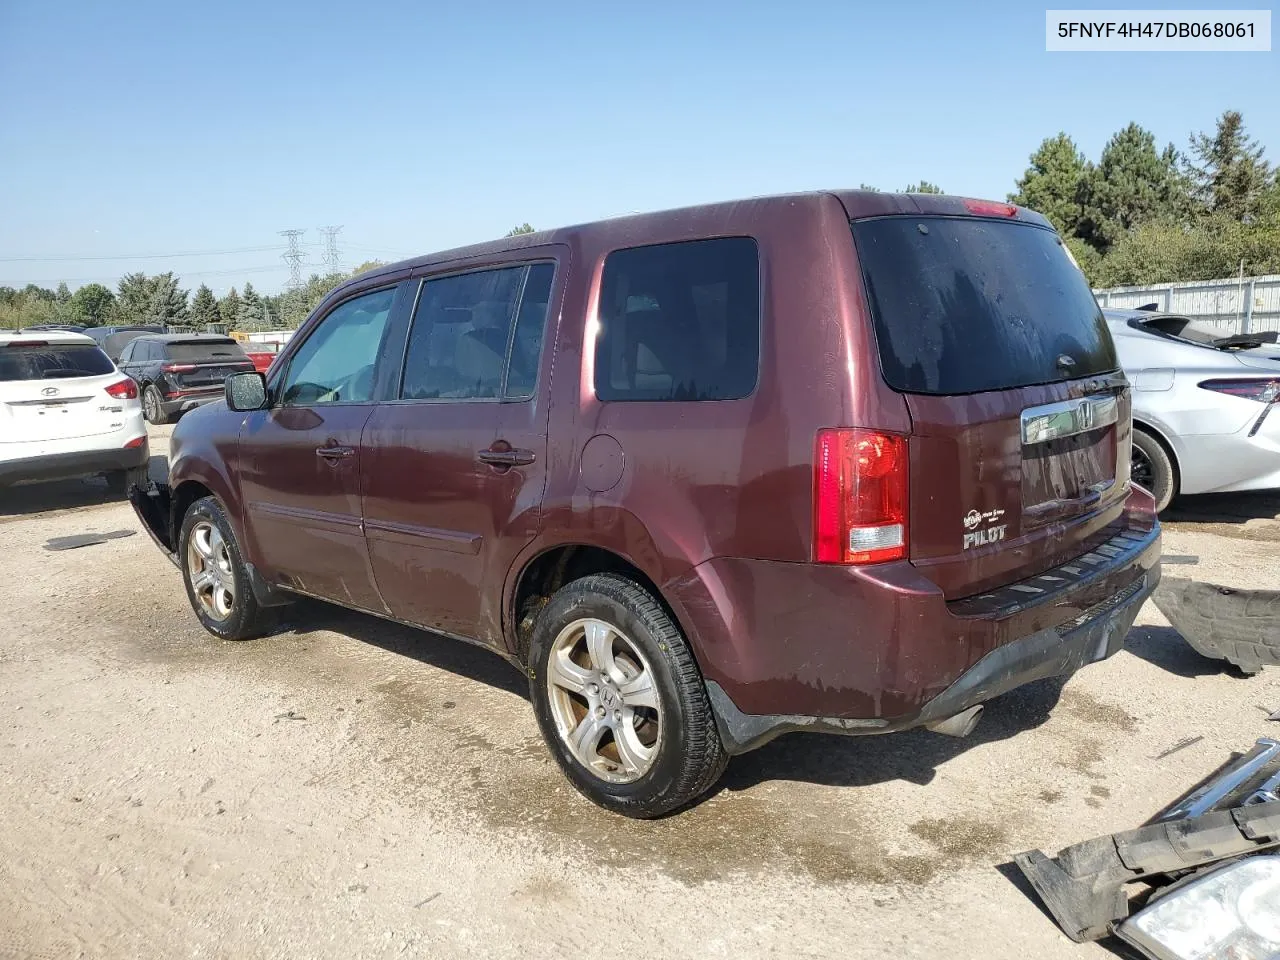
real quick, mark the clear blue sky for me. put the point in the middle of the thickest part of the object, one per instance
(147, 127)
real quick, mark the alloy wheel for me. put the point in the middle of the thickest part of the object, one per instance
(209, 570)
(604, 700)
(1141, 471)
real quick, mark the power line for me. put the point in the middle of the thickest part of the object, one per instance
(293, 257)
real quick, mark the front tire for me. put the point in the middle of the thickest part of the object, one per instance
(214, 572)
(620, 701)
(1153, 469)
(153, 406)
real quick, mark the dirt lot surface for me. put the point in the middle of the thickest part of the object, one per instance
(349, 788)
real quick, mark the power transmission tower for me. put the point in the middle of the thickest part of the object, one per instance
(332, 258)
(293, 257)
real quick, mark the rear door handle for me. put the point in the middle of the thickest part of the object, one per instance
(506, 458)
(335, 453)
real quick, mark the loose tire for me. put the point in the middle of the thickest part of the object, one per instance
(1152, 469)
(217, 581)
(620, 700)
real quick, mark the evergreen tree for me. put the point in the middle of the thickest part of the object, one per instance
(133, 298)
(204, 308)
(252, 316)
(229, 307)
(1057, 184)
(518, 231)
(1231, 177)
(168, 303)
(1133, 184)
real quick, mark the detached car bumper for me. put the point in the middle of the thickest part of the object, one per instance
(65, 466)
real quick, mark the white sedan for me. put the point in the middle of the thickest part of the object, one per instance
(67, 411)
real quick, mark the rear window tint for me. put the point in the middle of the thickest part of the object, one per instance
(680, 321)
(963, 305)
(215, 351)
(52, 362)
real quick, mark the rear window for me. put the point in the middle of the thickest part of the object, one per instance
(215, 351)
(963, 305)
(52, 361)
(680, 321)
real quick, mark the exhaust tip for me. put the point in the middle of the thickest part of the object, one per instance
(960, 725)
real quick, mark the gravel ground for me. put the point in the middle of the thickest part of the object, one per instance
(350, 788)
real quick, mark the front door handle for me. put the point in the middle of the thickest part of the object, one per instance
(506, 458)
(335, 453)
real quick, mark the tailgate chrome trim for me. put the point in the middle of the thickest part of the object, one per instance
(1052, 421)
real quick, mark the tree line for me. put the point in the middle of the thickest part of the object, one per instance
(1139, 215)
(146, 300)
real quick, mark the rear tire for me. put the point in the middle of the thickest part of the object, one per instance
(667, 749)
(1153, 469)
(217, 580)
(152, 406)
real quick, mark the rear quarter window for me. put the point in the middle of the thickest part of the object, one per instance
(680, 322)
(52, 361)
(964, 305)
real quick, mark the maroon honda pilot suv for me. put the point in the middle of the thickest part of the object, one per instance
(846, 462)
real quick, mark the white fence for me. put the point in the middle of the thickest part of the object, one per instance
(1234, 305)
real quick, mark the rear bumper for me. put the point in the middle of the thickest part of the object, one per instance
(878, 649)
(64, 466)
(176, 405)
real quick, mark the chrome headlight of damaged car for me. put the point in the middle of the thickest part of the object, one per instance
(1232, 913)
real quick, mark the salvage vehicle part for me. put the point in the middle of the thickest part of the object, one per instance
(1086, 887)
(1223, 623)
(1233, 912)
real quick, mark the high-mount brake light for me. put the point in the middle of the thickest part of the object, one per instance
(990, 208)
(860, 489)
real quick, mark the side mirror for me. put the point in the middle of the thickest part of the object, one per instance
(245, 391)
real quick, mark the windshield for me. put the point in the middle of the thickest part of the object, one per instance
(964, 304)
(52, 360)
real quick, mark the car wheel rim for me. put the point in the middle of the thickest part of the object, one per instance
(604, 701)
(209, 570)
(1141, 471)
(152, 406)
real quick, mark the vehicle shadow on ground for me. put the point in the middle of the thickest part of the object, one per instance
(1223, 508)
(813, 758)
(445, 653)
(1164, 647)
(913, 756)
(67, 494)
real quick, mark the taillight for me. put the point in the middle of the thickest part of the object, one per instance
(990, 208)
(859, 496)
(135, 443)
(124, 389)
(1264, 391)
(177, 367)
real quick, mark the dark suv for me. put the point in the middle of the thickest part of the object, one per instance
(178, 372)
(846, 462)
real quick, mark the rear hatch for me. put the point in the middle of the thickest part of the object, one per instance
(54, 391)
(1019, 452)
(195, 365)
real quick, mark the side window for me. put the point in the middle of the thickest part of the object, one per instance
(337, 362)
(680, 321)
(127, 353)
(475, 335)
